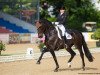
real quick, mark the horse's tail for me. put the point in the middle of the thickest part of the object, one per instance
(86, 50)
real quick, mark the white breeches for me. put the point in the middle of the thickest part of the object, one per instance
(62, 28)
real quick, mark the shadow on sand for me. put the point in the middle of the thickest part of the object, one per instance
(76, 69)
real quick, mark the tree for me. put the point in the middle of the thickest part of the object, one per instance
(14, 7)
(2, 47)
(97, 34)
(79, 11)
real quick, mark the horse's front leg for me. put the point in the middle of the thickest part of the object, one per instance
(55, 59)
(44, 50)
(38, 62)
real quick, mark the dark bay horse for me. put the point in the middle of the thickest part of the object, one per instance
(53, 43)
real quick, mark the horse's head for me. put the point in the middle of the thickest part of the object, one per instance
(40, 28)
(43, 26)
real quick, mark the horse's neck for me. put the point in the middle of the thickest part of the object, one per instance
(49, 32)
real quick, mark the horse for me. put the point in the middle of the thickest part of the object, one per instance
(54, 43)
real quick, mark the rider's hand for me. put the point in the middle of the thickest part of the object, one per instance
(53, 22)
(56, 23)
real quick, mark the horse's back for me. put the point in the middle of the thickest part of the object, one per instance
(71, 31)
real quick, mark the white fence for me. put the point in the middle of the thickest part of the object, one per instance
(15, 58)
(36, 55)
(32, 56)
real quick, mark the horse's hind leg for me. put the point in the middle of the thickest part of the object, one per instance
(72, 55)
(82, 57)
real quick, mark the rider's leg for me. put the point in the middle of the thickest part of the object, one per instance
(62, 28)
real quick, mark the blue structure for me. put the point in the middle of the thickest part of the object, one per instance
(20, 9)
(13, 27)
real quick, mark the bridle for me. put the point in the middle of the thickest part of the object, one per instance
(38, 25)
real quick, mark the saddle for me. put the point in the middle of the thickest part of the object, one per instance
(69, 31)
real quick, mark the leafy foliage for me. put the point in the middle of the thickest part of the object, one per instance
(2, 46)
(14, 7)
(52, 19)
(41, 45)
(79, 11)
(97, 33)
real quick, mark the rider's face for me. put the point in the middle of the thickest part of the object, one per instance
(62, 11)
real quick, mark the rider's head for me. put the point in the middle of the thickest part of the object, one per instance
(62, 9)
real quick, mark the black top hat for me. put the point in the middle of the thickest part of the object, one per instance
(62, 8)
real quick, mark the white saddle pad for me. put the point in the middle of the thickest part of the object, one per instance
(68, 36)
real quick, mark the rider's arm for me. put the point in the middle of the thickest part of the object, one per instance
(63, 19)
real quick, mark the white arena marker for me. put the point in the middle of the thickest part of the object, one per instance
(29, 53)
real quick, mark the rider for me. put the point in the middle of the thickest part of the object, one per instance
(61, 21)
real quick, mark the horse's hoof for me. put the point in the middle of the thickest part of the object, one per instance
(56, 70)
(69, 65)
(38, 63)
(83, 69)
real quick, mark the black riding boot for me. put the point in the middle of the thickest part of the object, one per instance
(64, 38)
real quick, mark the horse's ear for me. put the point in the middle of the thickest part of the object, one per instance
(40, 21)
(37, 21)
